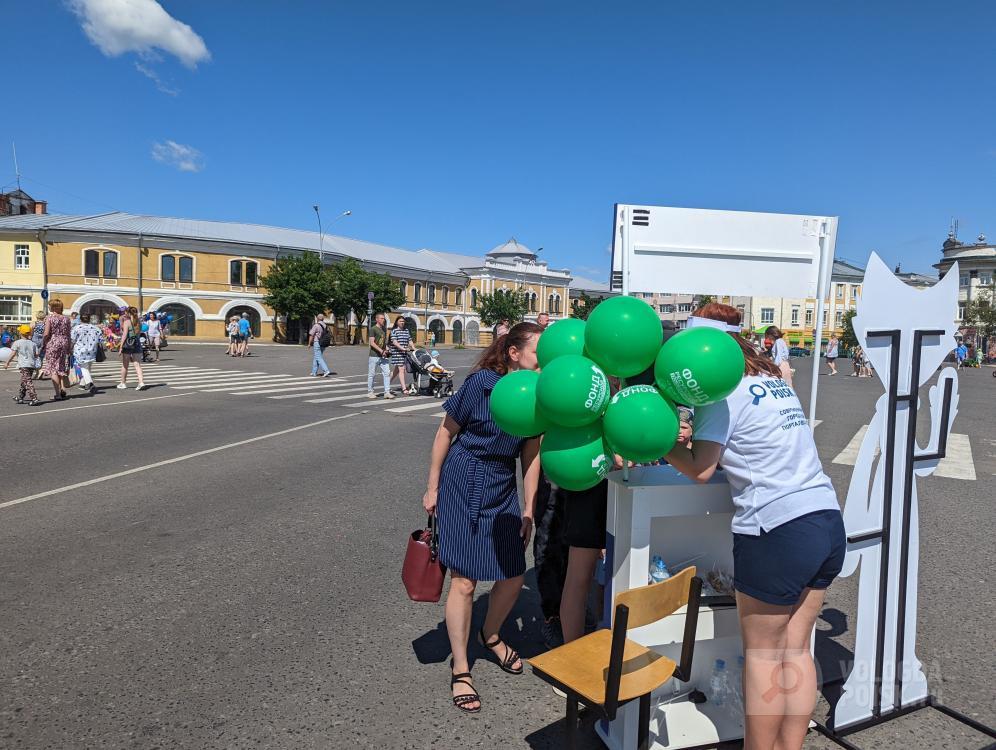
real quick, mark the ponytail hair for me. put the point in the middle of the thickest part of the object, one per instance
(754, 363)
(495, 357)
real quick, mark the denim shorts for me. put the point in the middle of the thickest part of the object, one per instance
(806, 552)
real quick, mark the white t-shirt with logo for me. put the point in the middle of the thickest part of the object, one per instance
(768, 454)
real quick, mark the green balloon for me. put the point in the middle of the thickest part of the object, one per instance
(623, 335)
(563, 337)
(698, 366)
(513, 404)
(640, 424)
(575, 458)
(572, 391)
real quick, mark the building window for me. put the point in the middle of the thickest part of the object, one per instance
(856, 291)
(91, 263)
(985, 278)
(403, 288)
(22, 257)
(532, 302)
(767, 315)
(445, 292)
(963, 279)
(667, 308)
(432, 294)
(235, 273)
(795, 315)
(252, 272)
(809, 317)
(840, 291)
(648, 295)
(961, 312)
(184, 322)
(418, 292)
(473, 301)
(110, 264)
(838, 318)
(685, 307)
(661, 308)
(458, 297)
(15, 309)
(167, 268)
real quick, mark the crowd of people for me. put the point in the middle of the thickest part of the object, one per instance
(62, 348)
(787, 529)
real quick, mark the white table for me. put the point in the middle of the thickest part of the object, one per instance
(660, 512)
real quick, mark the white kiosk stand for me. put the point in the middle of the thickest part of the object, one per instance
(655, 510)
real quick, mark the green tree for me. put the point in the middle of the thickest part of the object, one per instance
(583, 305)
(980, 314)
(847, 338)
(352, 283)
(704, 299)
(494, 308)
(298, 287)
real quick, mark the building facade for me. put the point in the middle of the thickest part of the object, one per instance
(202, 272)
(19, 203)
(976, 268)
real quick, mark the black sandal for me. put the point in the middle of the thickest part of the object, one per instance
(461, 701)
(511, 656)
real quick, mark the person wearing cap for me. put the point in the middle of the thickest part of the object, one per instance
(788, 534)
(26, 352)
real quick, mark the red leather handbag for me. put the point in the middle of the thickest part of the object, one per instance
(422, 572)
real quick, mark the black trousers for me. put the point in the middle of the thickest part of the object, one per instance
(550, 549)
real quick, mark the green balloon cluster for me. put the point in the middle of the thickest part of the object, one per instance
(569, 399)
(699, 366)
(514, 407)
(640, 423)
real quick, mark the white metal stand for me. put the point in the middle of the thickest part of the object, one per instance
(658, 511)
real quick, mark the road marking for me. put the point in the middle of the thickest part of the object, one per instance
(91, 406)
(307, 390)
(373, 402)
(168, 461)
(291, 383)
(439, 414)
(957, 464)
(416, 407)
(384, 402)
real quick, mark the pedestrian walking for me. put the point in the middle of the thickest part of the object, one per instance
(245, 333)
(378, 357)
(779, 352)
(38, 337)
(502, 328)
(232, 327)
(86, 339)
(154, 334)
(472, 489)
(25, 351)
(961, 354)
(399, 342)
(319, 339)
(131, 348)
(832, 350)
(788, 536)
(74, 319)
(57, 348)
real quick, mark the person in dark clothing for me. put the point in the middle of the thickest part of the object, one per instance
(550, 552)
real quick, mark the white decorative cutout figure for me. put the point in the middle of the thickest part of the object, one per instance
(906, 334)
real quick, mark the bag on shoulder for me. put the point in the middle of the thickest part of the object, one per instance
(325, 340)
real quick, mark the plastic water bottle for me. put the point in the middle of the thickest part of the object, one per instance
(718, 684)
(658, 570)
(737, 687)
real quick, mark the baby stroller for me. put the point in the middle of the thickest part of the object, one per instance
(147, 351)
(429, 378)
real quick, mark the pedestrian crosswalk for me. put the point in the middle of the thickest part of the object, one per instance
(348, 391)
(957, 464)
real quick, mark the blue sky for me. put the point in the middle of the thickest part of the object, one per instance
(457, 125)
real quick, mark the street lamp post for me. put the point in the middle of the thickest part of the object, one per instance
(321, 237)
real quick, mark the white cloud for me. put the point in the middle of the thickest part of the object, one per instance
(185, 158)
(153, 76)
(141, 26)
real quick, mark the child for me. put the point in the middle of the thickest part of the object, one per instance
(26, 352)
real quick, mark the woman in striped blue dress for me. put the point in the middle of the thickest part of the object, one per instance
(472, 490)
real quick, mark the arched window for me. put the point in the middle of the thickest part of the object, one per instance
(473, 298)
(100, 262)
(403, 288)
(240, 272)
(457, 332)
(167, 268)
(432, 294)
(532, 302)
(176, 268)
(184, 322)
(418, 292)
(556, 301)
(446, 295)
(458, 297)
(549, 304)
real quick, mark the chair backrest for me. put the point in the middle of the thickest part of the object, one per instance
(651, 603)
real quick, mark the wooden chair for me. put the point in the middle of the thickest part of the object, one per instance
(605, 670)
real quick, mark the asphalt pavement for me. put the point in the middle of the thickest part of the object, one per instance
(214, 563)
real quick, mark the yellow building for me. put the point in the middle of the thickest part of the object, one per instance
(202, 272)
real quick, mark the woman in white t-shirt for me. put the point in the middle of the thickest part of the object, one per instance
(788, 535)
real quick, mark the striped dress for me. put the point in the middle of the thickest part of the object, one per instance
(478, 505)
(402, 338)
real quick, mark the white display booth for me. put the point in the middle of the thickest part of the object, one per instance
(657, 511)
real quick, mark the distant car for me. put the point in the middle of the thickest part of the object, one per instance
(799, 351)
